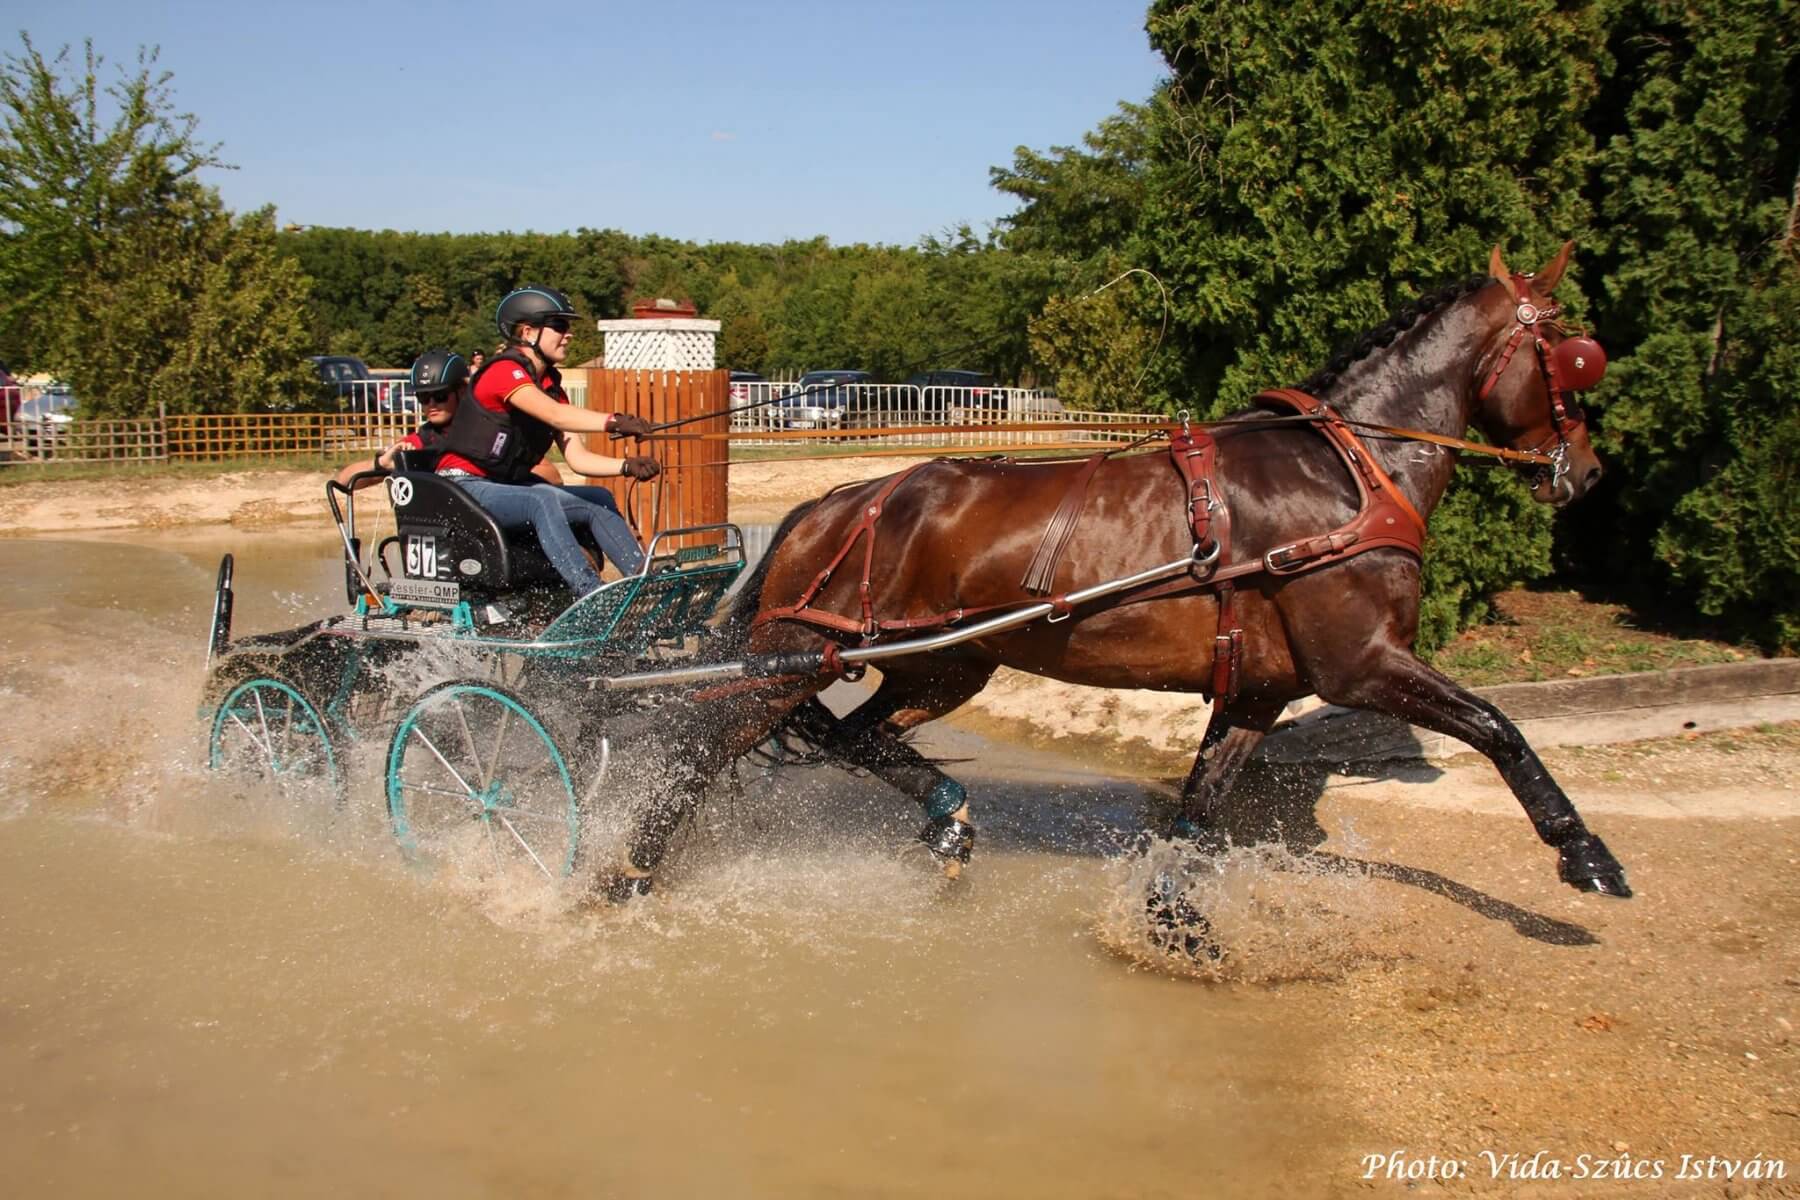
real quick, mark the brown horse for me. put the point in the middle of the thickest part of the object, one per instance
(955, 536)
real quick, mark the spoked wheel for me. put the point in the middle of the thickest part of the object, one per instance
(265, 728)
(475, 780)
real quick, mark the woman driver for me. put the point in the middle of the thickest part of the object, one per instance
(516, 411)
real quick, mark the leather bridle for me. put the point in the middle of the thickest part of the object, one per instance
(1532, 318)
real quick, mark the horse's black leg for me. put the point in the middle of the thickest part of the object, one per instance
(675, 797)
(1231, 739)
(866, 739)
(871, 737)
(697, 737)
(1402, 686)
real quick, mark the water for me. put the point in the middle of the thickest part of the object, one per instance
(207, 990)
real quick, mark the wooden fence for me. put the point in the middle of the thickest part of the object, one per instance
(196, 438)
(25, 441)
(224, 436)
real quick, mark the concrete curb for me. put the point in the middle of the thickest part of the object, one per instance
(1563, 712)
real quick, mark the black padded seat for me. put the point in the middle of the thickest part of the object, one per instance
(442, 534)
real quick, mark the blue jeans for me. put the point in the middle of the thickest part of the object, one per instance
(611, 532)
(550, 511)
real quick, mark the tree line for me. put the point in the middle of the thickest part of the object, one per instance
(1305, 169)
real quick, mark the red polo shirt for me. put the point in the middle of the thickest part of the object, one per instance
(493, 390)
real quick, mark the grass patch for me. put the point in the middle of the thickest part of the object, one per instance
(1534, 636)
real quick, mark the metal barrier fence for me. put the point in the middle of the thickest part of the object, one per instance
(887, 414)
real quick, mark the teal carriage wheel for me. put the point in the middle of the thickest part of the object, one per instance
(265, 728)
(474, 778)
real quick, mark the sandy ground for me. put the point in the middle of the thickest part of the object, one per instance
(1488, 1010)
(1521, 1016)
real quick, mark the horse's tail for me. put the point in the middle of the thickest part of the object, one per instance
(734, 630)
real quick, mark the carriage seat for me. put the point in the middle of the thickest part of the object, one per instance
(442, 534)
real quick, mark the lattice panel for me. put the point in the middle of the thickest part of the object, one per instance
(660, 345)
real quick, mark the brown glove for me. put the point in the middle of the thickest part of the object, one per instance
(628, 425)
(640, 466)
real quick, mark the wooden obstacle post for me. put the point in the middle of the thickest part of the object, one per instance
(659, 366)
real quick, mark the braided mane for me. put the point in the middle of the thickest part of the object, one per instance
(1384, 334)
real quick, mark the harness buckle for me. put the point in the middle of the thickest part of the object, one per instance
(1202, 488)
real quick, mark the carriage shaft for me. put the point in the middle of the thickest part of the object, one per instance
(813, 662)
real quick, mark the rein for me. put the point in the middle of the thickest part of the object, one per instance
(1534, 457)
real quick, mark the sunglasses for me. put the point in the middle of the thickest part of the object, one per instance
(434, 398)
(557, 324)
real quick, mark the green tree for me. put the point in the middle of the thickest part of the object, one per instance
(73, 181)
(1081, 206)
(1096, 347)
(193, 311)
(1698, 196)
(1318, 163)
(120, 271)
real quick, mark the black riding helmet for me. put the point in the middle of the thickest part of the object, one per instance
(531, 305)
(438, 371)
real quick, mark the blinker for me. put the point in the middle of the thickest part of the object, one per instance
(1580, 362)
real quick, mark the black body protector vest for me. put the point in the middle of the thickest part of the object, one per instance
(507, 444)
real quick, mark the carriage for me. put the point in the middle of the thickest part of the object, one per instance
(461, 648)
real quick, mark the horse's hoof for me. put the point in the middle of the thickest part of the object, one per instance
(1588, 866)
(622, 888)
(950, 841)
(1605, 885)
(1177, 927)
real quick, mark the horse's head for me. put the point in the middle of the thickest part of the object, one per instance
(1526, 377)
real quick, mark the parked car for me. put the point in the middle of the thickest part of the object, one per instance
(741, 391)
(348, 381)
(822, 399)
(943, 391)
(44, 420)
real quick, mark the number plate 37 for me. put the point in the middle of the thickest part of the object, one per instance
(421, 556)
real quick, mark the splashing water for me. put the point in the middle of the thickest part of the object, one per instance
(1267, 914)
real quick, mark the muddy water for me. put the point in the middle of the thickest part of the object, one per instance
(205, 992)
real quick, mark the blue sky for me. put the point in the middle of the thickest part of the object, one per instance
(698, 120)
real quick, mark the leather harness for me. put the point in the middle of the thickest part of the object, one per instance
(1385, 519)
